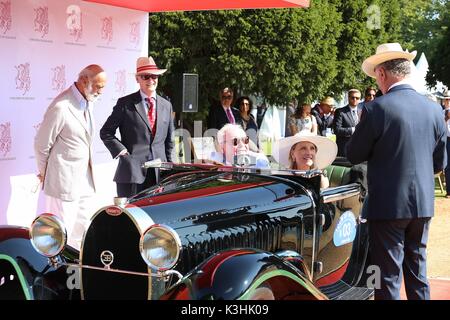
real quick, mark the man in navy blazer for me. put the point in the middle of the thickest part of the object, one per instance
(223, 113)
(146, 127)
(346, 119)
(402, 137)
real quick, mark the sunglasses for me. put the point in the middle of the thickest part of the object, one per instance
(148, 76)
(244, 140)
(370, 95)
(355, 98)
(227, 97)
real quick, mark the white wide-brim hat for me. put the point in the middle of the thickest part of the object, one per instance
(386, 52)
(146, 65)
(326, 149)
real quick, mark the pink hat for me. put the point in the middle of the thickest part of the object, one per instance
(148, 65)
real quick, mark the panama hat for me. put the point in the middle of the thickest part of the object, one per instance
(147, 65)
(446, 94)
(326, 149)
(329, 101)
(386, 52)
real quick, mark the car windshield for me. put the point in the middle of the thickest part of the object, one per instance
(274, 169)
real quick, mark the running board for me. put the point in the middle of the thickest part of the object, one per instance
(342, 291)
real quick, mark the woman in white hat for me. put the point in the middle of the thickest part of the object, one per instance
(306, 152)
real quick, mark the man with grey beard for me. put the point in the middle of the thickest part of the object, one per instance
(63, 149)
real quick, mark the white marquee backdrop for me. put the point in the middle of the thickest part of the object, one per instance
(43, 46)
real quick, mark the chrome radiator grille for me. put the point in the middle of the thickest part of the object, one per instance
(265, 235)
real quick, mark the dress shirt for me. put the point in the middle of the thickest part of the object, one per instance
(84, 107)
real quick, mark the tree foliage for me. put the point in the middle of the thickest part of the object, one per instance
(277, 54)
(439, 61)
(360, 36)
(425, 28)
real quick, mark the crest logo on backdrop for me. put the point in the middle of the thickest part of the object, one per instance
(121, 81)
(107, 29)
(74, 22)
(135, 33)
(5, 16)
(41, 22)
(59, 78)
(36, 126)
(5, 138)
(23, 80)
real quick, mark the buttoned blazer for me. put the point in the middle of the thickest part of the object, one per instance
(402, 137)
(63, 149)
(342, 126)
(130, 116)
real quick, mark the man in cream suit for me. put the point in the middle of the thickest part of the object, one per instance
(63, 149)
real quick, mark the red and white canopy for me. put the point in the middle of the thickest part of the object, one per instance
(195, 5)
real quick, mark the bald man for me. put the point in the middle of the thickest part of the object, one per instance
(63, 149)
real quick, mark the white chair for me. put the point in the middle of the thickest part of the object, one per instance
(438, 177)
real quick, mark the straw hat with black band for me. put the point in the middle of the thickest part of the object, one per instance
(386, 52)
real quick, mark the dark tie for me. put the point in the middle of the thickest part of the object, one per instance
(230, 116)
(355, 116)
(151, 114)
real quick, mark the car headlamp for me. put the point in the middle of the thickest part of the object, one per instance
(160, 247)
(48, 235)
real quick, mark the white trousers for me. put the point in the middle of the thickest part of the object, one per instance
(76, 216)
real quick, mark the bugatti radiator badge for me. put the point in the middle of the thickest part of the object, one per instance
(107, 258)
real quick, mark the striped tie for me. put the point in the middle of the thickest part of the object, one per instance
(151, 114)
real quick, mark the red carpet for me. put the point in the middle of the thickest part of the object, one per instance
(440, 289)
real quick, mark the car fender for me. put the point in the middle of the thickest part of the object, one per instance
(242, 274)
(30, 270)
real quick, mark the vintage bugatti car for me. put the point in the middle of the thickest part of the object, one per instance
(204, 232)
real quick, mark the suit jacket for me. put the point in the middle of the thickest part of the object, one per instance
(322, 122)
(217, 117)
(342, 126)
(402, 136)
(129, 115)
(63, 150)
(260, 112)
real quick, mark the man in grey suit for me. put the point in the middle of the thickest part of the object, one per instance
(145, 123)
(402, 136)
(346, 119)
(63, 148)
